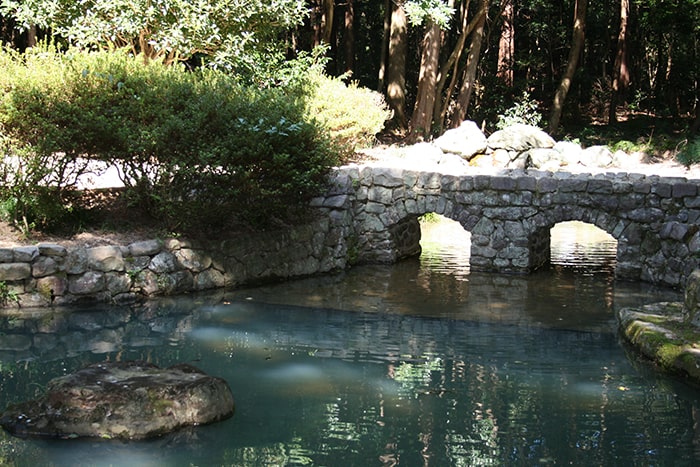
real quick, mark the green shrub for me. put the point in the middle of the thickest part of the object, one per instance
(523, 111)
(30, 197)
(690, 154)
(352, 115)
(198, 149)
(630, 146)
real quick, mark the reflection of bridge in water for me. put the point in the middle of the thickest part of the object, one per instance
(509, 216)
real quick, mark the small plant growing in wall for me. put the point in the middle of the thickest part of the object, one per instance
(7, 295)
(353, 251)
(134, 274)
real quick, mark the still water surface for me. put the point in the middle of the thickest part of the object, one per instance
(417, 364)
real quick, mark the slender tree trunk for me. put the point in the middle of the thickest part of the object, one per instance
(671, 90)
(467, 88)
(349, 36)
(422, 119)
(452, 62)
(574, 53)
(621, 73)
(315, 15)
(396, 69)
(506, 44)
(327, 10)
(381, 78)
(321, 16)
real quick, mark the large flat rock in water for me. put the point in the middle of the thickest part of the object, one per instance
(126, 400)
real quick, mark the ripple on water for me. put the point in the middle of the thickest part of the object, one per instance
(583, 247)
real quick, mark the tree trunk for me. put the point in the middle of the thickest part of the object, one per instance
(574, 53)
(467, 88)
(315, 15)
(31, 36)
(349, 36)
(671, 95)
(506, 44)
(452, 62)
(396, 69)
(621, 73)
(321, 15)
(327, 11)
(422, 119)
(381, 78)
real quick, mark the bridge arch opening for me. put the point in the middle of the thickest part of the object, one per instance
(582, 246)
(445, 243)
(575, 245)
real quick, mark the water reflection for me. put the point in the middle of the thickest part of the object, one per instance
(446, 248)
(583, 248)
(383, 365)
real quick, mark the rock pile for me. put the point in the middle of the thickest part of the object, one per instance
(522, 147)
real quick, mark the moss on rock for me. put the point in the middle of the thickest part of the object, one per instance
(660, 332)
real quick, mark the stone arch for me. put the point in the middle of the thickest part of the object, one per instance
(624, 231)
(405, 233)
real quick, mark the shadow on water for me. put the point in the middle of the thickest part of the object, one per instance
(420, 363)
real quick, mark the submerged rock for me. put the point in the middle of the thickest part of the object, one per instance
(126, 400)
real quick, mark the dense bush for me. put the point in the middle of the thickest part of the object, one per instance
(351, 114)
(29, 195)
(196, 148)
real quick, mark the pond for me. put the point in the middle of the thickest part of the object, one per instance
(421, 363)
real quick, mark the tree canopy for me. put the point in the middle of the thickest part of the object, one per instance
(636, 57)
(229, 33)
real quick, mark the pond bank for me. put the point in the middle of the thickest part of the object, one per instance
(668, 333)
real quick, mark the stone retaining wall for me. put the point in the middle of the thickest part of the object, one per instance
(49, 274)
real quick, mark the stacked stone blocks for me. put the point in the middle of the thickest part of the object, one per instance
(48, 274)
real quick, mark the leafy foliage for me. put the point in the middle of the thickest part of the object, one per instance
(352, 115)
(421, 11)
(690, 154)
(196, 149)
(524, 111)
(230, 33)
(26, 199)
(7, 294)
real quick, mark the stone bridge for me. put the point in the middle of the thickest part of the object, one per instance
(370, 214)
(510, 213)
